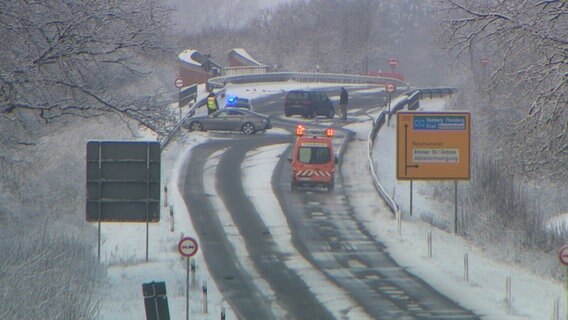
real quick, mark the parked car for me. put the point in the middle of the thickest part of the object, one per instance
(236, 102)
(308, 104)
(249, 122)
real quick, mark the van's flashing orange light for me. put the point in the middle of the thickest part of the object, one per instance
(300, 130)
(328, 132)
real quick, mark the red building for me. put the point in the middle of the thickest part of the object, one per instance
(192, 71)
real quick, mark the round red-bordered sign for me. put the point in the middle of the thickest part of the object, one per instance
(179, 82)
(563, 255)
(390, 87)
(187, 247)
(393, 62)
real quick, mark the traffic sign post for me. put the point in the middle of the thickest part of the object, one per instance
(188, 248)
(433, 146)
(393, 62)
(389, 88)
(484, 61)
(179, 84)
(563, 256)
(112, 165)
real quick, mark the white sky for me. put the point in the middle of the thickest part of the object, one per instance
(123, 245)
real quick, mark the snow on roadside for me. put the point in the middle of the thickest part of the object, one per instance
(533, 297)
(123, 249)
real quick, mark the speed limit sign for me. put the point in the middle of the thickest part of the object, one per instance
(390, 87)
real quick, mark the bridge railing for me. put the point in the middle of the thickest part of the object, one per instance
(221, 82)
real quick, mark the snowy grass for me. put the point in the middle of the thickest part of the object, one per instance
(495, 208)
(48, 277)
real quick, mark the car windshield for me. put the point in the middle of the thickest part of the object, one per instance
(298, 95)
(313, 155)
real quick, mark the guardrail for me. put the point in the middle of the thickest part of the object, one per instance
(436, 92)
(371, 141)
(221, 82)
(411, 99)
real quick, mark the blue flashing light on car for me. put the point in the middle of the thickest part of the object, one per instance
(236, 102)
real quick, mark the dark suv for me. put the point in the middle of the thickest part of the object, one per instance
(308, 104)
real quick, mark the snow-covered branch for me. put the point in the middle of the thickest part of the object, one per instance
(525, 42)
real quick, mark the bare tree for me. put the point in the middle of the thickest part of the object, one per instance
(524, 44)
(360, 30)
(193, 16)
(347, 36)
(81, 58)
(60, 58)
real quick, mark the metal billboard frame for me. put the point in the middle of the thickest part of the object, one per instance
(123, 182)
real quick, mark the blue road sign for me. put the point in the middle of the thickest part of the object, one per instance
(441, 122)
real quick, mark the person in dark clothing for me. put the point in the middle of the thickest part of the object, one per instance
(212, 104)
(343, 101)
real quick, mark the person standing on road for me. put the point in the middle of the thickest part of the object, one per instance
(343, 100)
(212, 104)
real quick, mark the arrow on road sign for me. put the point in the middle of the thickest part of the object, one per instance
(406, 165)
(187, 247)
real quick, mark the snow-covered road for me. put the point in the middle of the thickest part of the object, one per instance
(533, 297)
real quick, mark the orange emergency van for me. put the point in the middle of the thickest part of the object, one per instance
(313, 160)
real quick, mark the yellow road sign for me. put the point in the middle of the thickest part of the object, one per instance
(433, 146)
